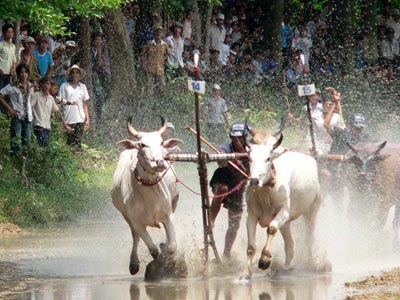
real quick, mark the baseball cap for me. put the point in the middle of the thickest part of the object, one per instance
(220, 16)
(358, 121)
(238, 129)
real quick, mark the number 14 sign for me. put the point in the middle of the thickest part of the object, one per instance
(306, 90)
(197, 86)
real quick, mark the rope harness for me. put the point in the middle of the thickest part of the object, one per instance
(144, 182)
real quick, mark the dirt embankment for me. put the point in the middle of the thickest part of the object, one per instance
(9, 228)
(385, 286)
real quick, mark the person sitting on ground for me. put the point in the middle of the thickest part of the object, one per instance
(225, 179)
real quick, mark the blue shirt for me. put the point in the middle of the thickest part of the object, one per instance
(43, 61)
(287, 36)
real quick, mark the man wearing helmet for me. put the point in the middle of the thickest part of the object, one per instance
(225, 179)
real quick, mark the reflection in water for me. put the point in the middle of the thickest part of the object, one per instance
(293, 287)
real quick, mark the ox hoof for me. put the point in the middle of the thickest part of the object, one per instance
(154, 253)
(264, 264)
(133, 268)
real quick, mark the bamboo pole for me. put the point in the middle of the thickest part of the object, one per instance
(202, 171)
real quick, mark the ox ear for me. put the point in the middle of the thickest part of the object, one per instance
(172, 143)
(128, 144)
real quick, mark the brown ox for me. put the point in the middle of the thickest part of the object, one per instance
(378, 181)
(144, 189)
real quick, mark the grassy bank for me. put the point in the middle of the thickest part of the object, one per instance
(45, 186)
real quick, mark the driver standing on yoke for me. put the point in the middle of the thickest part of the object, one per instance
(225, 179)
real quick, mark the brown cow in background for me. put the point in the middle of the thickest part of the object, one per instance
(377, 180)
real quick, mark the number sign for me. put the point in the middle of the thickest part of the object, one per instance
(306, 90)
(197, 86)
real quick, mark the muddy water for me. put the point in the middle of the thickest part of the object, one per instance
(89, 260)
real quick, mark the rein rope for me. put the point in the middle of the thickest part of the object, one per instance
(237, 187)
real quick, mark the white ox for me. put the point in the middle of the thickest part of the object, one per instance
(282, 188)
(144, 189)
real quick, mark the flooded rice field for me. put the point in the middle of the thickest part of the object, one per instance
(89, 259)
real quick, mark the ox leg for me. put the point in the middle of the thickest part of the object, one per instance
(266, 256)
(251, 242)
(145, 236)
(396, 227)
(289, 244)
(134, 260)
(280, 219)
(170, 234)
(310, 219)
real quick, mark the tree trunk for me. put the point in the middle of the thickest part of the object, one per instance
(123, 83)
(368, 15)
(205, 10)
(342, 31)
(196, 23)
(273, 30)
(86, 61)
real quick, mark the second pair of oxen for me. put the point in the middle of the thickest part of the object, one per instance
(284, 185)
(145, 190)
(377, 178)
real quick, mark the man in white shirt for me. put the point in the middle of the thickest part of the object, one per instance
(175, 44)
(217, 34)
(20, 109)
(76, 116)
(215, 113)
(43, 106)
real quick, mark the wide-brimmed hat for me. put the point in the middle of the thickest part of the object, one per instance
(29, 39)
(70, 44)
(216, 86)
(76, 67)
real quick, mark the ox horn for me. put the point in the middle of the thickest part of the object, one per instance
(132, 131)
(278, 142)
(352, 148)
(281, 127)
(163, 125)
(248, 128)
(380, 147)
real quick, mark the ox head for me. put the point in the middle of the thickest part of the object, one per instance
(260, 155)
(365, 159)
(151, 147)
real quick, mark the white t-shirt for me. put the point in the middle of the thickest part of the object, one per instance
(74, 113)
